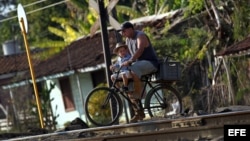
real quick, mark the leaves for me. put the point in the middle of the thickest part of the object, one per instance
(194, 7)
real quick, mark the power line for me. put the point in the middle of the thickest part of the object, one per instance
(33, 3)
(47, 6)
(27, 5)
(6, 19)
(51, 5)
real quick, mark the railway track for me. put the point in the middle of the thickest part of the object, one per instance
(200, 128)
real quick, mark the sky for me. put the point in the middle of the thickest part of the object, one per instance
(7, 10)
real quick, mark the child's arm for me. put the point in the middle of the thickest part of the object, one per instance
(113, 66)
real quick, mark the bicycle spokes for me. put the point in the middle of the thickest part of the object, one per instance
(163, 101)
(106, 102)
(102, 106)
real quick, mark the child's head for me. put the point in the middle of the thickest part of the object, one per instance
(121, 49)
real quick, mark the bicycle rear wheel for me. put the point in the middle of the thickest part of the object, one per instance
(103, 106)
(163, 101)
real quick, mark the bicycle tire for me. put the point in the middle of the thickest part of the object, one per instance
(101, 114)
(163, 101)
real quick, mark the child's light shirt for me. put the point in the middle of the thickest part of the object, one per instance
(121, 60)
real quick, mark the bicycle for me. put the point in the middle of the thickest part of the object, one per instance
(104, 105)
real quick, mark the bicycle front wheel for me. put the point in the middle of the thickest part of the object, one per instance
(103, 106)
(163, 101)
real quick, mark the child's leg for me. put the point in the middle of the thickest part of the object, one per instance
(125, 80)
(113, 77)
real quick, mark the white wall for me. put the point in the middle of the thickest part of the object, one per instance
(86, 86)
(79, 95)
(64, 116)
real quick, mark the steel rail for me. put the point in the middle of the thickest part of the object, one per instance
(204, 127)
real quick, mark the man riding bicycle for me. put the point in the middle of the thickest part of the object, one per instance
(143, 61)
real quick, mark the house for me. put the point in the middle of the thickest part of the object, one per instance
(238, 49)
(75, 71)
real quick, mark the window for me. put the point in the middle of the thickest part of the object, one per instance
(98, 77)
(67, 94)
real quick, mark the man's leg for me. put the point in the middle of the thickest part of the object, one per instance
(135, 98)
(137, 109)
(138, 69)
(137, 86)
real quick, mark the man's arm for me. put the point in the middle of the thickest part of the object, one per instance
(142, 43)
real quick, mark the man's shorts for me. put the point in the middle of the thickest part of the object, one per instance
(142, 67)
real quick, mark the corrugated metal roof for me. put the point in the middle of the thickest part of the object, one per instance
(239, 48)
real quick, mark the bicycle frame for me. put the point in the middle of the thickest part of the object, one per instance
(108, 102)
(146, 80)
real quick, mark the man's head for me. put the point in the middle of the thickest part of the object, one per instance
(127, 29)
(126, 25)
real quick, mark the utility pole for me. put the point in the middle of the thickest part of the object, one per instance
(117, 34)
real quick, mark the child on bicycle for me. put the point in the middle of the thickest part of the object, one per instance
(123, 55)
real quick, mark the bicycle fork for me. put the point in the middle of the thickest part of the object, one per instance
(106, 101)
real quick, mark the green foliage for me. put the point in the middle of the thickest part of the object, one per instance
(197, 38)
(240, 94)
(187, 46)
(123, 11)
(12, 24)
(79, 5)
(7, 28)
(135, 9)
(194, 7)
(151, 7)
(46, 109)
(163, 6)
(38, 21)
(68, 33)
(241, 20)
(169, 46)
(68, 29)
(240, 74)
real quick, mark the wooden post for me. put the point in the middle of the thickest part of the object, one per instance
(32, 73)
